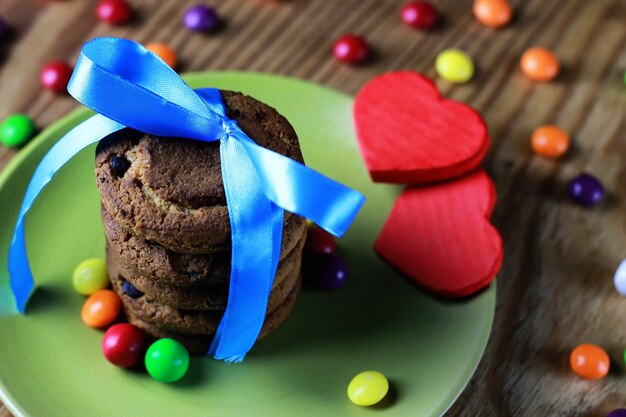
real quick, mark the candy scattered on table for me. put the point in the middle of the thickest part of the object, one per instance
(90, 276)
(399, 145)
(4, 29)
(16, 130)
(114, 12)
(454, 66)
(164, 52)
(319, 240)
(351, 49)
(619, 280)
(550, 141)
(55, 76)
(201, 18)
(585, 190)
(101, 308)
(590, 361)
(539, 64)
(325, 271)
(492, 13)
(124, 345)
(368, 388)
(620, 412)
(419, 15)
(167, 360)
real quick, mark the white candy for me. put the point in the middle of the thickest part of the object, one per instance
(620, 278)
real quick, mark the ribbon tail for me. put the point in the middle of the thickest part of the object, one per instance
(91, 131)
(256, 231)
(331, 205)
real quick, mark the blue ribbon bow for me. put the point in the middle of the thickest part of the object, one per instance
(129, 86)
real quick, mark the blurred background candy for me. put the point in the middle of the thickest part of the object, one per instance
(16, 130)
(585, 190)
(114, 12)
(55, 76)
(351, 49)
(420, 15)
(540, 64)
(201, 18)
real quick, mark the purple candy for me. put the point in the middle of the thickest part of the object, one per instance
(325, 271)
(620, 412)
(200, 18)
(586, 190)
(3, 28)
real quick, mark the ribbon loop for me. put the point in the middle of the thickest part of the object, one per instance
(131, 87)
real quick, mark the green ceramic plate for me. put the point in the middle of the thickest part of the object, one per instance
(51, 364)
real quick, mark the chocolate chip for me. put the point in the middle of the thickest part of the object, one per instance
(130, 290)
(119, 165)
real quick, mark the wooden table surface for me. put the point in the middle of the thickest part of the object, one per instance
(555, 287)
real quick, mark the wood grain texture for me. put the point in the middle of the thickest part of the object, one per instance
(554, 290)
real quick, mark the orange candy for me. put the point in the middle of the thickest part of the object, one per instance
(492, 13)
(589, 361)
(550, 141)
(164, 52)
(101, 308)
(539, 64)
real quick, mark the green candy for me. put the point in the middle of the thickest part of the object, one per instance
(167, 360)
(16, 130)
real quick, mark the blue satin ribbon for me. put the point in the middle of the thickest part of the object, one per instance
(131, 87)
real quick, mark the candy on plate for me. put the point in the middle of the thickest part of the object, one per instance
(167, 360)
(101, 308)
(368, 388)
(90, 276)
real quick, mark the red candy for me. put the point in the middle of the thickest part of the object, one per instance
(351, 49)
(55, 76)
(114, 12)
(409, 134)
(124, 345)
(319, 241)
(420, 15)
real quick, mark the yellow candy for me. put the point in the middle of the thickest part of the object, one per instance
(454, 66)
(90, 276)
(368, 388)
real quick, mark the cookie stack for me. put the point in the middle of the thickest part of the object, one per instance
(168, 232)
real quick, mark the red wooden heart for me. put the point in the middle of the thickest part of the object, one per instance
(408, 134)
(440, 235)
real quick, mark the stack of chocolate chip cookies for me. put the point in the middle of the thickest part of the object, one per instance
(168, 232)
